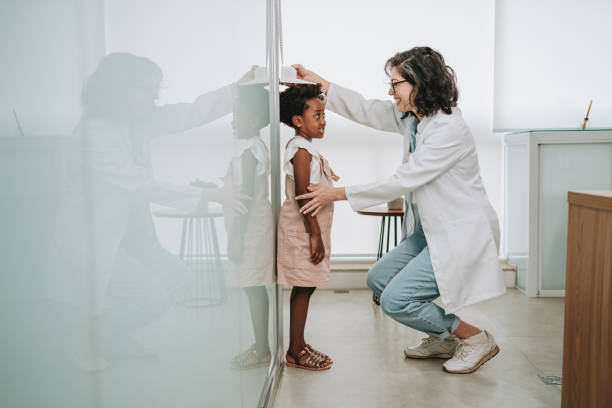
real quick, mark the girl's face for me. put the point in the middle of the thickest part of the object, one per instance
(312, 122)
(402, 92)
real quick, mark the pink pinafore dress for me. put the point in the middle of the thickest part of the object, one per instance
(293, 262)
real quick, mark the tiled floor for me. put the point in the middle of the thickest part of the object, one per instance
(371, 371)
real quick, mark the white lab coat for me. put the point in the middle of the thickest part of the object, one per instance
(443, 178)
(104, 209)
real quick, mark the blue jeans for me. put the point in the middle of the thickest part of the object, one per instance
(404, 281)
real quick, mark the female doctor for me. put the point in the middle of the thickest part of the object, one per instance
(451, 234)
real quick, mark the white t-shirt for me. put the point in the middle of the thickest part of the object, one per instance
(259, 151)
(315, 163)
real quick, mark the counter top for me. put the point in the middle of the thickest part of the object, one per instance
(598, 199)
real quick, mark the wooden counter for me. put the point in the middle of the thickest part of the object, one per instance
(587, 339)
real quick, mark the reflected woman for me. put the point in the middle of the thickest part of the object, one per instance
(107, 272)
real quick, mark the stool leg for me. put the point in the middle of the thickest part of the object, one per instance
(213, 233)
(388, 231)
(381, 238)
(183, 239)
(395, 226)
(189, 242)
(217, 255)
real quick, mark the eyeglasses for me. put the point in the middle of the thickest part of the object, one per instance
(393, 84)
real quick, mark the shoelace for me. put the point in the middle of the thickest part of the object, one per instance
(429, 339)
(463, 349)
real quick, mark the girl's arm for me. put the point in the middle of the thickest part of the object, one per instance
(301, 170)
(239, 224)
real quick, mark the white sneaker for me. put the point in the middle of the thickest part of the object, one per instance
(472, 353)
(433, 347)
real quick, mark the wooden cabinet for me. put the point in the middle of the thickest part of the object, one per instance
(587, 339)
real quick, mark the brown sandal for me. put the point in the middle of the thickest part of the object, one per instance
(319, 354)
(312, 363)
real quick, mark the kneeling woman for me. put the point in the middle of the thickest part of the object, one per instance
(451, 233)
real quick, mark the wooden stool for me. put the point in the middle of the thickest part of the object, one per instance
(385, 214)
(200, 252)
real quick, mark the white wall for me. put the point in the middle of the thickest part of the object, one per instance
(348, 42)
(47, 49)
(200, 46)
(551, 57)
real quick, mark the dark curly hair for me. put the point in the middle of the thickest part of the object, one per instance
(434, 82)
(105, 92)
(251, 106)
(293, 101)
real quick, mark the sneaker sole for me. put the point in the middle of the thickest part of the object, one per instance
(445, 356)
(486, 358)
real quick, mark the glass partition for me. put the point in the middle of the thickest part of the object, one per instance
(565, 167)
(138, 232)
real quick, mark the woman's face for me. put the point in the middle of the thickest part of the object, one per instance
(312, 122)
(402, 92)
(141, 96)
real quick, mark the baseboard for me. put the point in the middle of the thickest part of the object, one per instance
(551, 293)
(350, 272)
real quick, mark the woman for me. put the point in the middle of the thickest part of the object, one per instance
(451, 233)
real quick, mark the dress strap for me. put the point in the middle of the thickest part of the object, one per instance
(294, 137)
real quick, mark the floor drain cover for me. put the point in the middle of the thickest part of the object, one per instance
(341, 291)
(550, 379)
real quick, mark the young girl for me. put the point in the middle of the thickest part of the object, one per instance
(303, 240)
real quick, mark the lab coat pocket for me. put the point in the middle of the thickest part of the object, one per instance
(471, 240)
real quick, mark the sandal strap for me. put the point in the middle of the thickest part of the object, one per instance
(317, 352)
(312, 360)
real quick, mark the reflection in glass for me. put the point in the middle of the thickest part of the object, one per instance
(250, 247)
(123, 283)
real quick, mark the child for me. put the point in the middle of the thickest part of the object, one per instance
(303, 240)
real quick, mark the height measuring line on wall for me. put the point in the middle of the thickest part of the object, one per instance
(280, 33)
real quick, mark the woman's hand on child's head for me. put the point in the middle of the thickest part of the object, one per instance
(317, 249)
(307, 75)
(301, 72)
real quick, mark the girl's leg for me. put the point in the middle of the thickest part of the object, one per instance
(299, 301)
(259, 307)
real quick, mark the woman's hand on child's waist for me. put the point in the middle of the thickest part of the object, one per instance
(320, 197)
